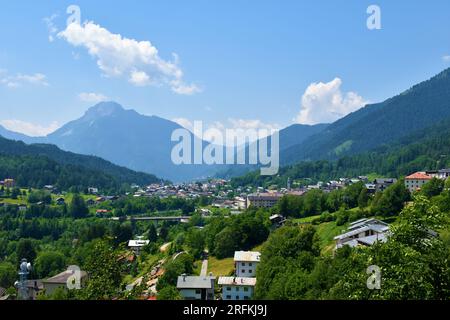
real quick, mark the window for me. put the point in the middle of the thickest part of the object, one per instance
(237, 297)
(243, 270)
(228, 297)
(243, 264)
(237, 289)
(198, 291)
(246, 298)
(250, 264)
(228, 288)
(245, 289)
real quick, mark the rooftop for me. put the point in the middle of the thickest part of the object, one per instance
(63, 277)
(248, 256)
(138, 243)
(195, 282)
(237, 281)
(418, 176)
(265, 196)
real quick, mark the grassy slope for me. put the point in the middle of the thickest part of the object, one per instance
(221, 267)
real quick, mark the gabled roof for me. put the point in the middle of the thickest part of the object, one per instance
(195, 282)
(366, 222)
(247, 256)
(418, 176)
(61, 278)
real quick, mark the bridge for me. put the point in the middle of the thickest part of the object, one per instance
(168, 218)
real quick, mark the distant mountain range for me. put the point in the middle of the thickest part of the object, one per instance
(143, 143)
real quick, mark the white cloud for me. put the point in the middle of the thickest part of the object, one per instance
(30, 129)
(139, 78)
(92, 97)
(137, 61)
(15, 81)
(325, 103)
(446, 58)
(185, 123)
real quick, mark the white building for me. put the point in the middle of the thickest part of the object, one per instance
(137, 245)
(440, 174)
(364, 232)
(237, 288)
(246, 262)
(196, 287)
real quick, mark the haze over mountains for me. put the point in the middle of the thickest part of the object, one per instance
(143, 143)
(139, 142)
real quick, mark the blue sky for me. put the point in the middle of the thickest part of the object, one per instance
(243, 63)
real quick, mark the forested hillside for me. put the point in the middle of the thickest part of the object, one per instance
(424, 150)
(40, 164)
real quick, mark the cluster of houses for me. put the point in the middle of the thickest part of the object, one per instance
(240, 286)
(8, 183)
(183, 190)
(264, 198)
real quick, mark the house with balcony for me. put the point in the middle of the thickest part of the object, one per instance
(237, 288)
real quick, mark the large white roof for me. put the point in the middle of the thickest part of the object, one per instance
(247, 256)
(138, 243)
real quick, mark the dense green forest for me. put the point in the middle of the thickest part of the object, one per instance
(39, 164)
(426, 149)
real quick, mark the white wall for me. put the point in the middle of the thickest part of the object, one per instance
(246, 269)
(237, 292)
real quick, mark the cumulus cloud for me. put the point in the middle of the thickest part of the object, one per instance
(326, 103)
(446, 58)
(18, 80)
(136, 61)
(92, 97)
(30, 129)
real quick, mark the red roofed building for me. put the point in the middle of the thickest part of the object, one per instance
(415, 181)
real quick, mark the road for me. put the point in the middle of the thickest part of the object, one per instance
(184, 218)
(204, 270)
